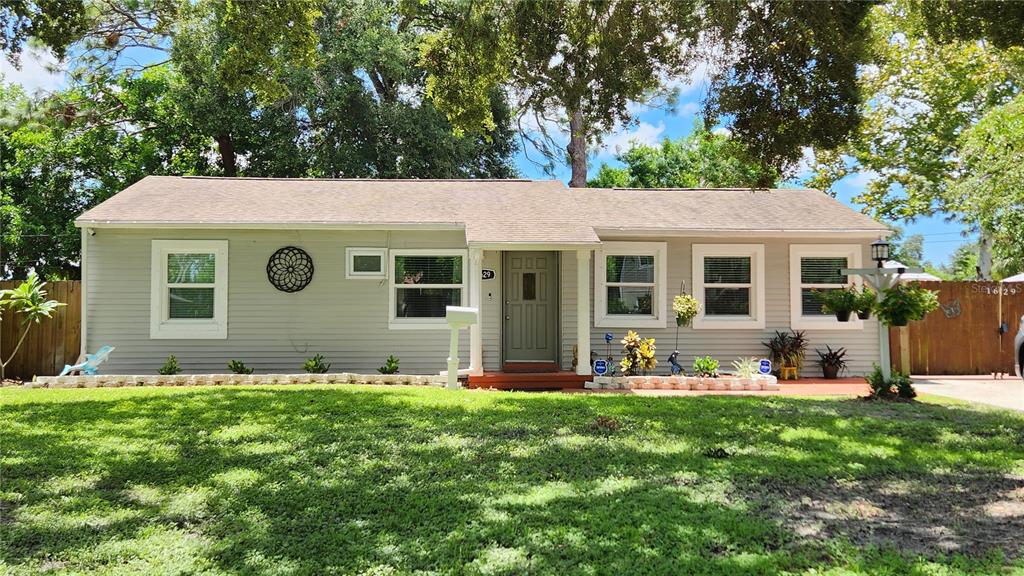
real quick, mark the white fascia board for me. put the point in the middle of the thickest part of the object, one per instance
(273, 225)
(615, 233)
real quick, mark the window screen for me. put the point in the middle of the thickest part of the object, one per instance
(727, 285)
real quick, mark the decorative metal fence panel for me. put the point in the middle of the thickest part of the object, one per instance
(50, 344)
(963, 336)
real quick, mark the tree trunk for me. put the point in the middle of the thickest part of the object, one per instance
(984, 256)
(577, 150)
(226, 148)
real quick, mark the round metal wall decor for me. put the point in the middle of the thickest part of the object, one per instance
(290, 269)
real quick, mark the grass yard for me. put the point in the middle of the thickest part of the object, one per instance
(365, 480)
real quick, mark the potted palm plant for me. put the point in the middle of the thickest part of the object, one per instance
(832, 362)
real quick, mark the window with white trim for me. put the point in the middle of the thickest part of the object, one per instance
(423, 283)
(189, 289)
(629, 285)
(728, 281)
(815, 268)
(365, 263)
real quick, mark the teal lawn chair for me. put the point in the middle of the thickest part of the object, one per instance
(91, 364)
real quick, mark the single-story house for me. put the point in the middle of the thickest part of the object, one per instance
(272, 271)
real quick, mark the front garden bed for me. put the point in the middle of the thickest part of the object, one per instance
(118, 381)
(720, 383)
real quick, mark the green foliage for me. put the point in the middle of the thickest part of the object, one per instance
(991, 192)
(787, 349)
(27, 301)
(239, 367)
(170, 367)
(577, 65)
(865, 302)
(838, 301)
(746, 367)
(686, 308)
(700, 160)
(786, 76)
(316, 365)
(898, 386)
(705, 366)
(390, 365)
(922, 93)
(906, 302)
(53, 23)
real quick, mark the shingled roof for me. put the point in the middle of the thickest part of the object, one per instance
(490, 211)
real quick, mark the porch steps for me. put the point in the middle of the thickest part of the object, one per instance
(529, 381)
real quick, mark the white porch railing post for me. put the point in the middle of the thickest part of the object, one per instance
(476, 353)
(583, 312)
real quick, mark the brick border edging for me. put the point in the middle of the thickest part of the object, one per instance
(722, 383)
(123, 381)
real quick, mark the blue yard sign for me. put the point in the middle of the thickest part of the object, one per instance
(600, 367)
(765, 366)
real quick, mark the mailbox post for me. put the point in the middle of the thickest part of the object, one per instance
(457, 317)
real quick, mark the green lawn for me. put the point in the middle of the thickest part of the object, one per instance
(400, 480)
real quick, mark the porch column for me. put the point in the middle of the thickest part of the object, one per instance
(583, 312)
(476, 351)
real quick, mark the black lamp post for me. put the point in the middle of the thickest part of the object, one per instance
(880, 251)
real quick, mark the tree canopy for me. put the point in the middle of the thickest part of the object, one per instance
(701, 160)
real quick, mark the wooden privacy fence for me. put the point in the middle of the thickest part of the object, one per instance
(962, 336)
(50, 344)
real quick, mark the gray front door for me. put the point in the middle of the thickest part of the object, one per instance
(530, 291)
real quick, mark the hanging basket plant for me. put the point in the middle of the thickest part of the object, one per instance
(904, 303)
(841, 302)
(865, 303)
(686, 309)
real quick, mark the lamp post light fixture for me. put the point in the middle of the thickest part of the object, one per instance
(880, 251)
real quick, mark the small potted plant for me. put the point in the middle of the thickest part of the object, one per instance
(832, 362)
(706, 368)
(787, 351)
(905, 302)
(744, 370)
(842, 302)
(865, 303)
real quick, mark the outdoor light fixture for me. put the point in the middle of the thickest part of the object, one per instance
(880, 251)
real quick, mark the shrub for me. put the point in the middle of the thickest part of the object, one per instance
(705, 366)
(745, 367)
(899, 385)
(638, 355)
(237, 367)
(316, 365)
(170, 367)
(906, 302)
(390, 365)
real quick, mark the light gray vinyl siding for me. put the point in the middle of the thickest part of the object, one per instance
(723, 345)
(490, 312)
(272, 331)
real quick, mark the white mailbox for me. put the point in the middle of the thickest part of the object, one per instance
(457, 317)
(461, 316)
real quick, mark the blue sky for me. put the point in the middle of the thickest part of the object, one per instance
(654, 124)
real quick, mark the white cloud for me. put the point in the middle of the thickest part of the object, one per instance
(805, 167)
(40, 71)
(722, 131)
(645, 134)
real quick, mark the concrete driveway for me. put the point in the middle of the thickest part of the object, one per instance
(1008, 393)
